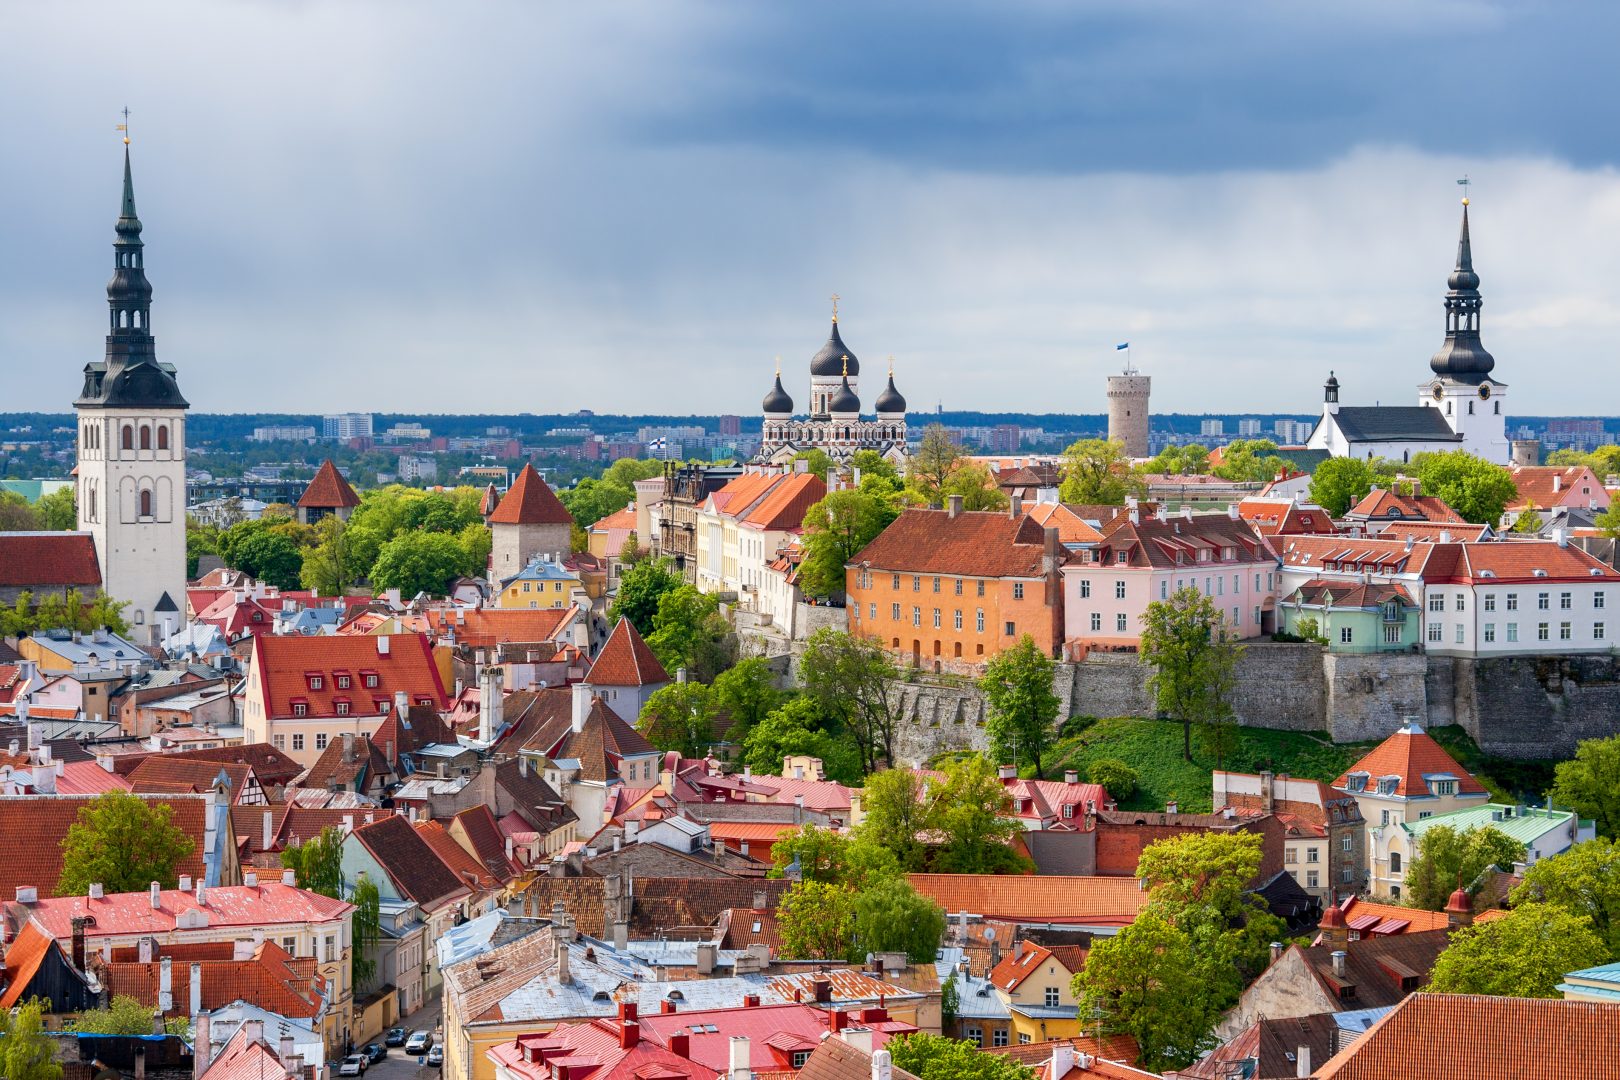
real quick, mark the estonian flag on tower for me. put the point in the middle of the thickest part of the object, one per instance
(1122, 346)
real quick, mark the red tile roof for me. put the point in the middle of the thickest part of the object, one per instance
(1018, 965)
(1529, 561)
(784, 506)
(271, 766)
(88, 778)
(165, 771)
(271, 978)
(1575, 485)
(33, 560)
(283, 665)
(23, 958)
(493, 626)
(626, 660)
(743, 492)
(244, 1060)
(774, 1032)
(972, 544)
(32, 828)
(411, 863)
(1110, 901)
(1484, 1038)
(623, 519)
(328, 490)
(529, 501)
(1432, 531)
(1411, 754)
(1386, 505)
(468, 870)
(489, 846)
(269, 903)
(1157, 543)
(1071, 527)
(592, 1051)
(1271, 516)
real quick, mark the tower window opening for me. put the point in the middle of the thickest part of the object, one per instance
(146, 437)
(128, 438)
(123, 320)
(146, 502)
(163, 437)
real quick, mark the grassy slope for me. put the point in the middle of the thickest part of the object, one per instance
(1153, 749)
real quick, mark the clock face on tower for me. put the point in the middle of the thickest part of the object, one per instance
(1485, 392)
(1439, 391)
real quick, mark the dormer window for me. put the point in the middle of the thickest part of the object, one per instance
(1386, 784)
(369, 678)
(342, 707)
(426, 703)
(1121, 557)
(316, 682)
(1444, 787)
(1357, 781)
(300, 708)
(342, 682)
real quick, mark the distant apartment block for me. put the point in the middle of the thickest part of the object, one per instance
(1291, 432)
(411, 432)
(284, 433)
(414, 467)
(730, 426)
(1212, 427)
(346, 426)
(1248, 429)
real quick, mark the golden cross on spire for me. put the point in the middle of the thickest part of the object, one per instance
(846, 367)
(1464, 183)
(778, 367)
(891, 365)
(835, 299)
(124, 127)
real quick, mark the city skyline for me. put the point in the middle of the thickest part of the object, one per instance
(669, 204)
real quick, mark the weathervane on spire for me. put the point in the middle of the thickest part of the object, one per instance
(835, 299)
(124, 127)
(1464, 184)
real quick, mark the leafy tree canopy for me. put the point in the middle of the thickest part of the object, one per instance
(1585, 880)
(1097, 471)
(747, 693)
(1194, 665)
(690, 632)
(26, 1051)
(1524, 954)
(937, 1057)
(799, 727)
(1447, 856)
(835, 530)
(421, 562)
(123, 842)
(1189, 460)
(1250, 461)
(849, 678)
(640, 589)
(680, 717)
(1341, 482)
(1477, 489)
(125, 1015)
(816, 921)
(1017, 685)
(1589, 784)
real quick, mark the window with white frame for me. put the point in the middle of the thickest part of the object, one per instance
(1096, 621)
(1543, 631)
(1018, 590)
(1565, 631)
(1085, 588)
(1597, 631)
(956, 620)
(1513, 631)
(1460, 633)
(1513, 601)
(1437, 602)
(1490, 632)
(978, 620)
(916, 616)
(936, 619)
(1543, 601)
(1490, 601)
(1053, 998)
(1120, 622)
(1462, 601)
(1119, 590)
(1347, 635)
(1566, 601)
(1434, 631)
(1597, 599)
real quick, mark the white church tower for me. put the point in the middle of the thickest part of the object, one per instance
(132, 449)
(1472, 403)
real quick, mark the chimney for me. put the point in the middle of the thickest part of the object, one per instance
(621, 935)
(823, 989)
(97, 891)
(1015, 507)
(739, 1059)
(1007, 772)
(798, 809)
(242, 948)
(489, 703)
(1303, 1062)
(1232, 511)
(382, 644)
(707, 954)
(1276, 951)
(402, 703)
(255, 1031)
(195, 1000)
(1172, 807)
(1558, 482)
(165, 985)
(629, 1028)
(1062, 1060)
(143, 950)
(289, 877)
(1268, 791)
(185, 882)
(882, 1065)
(1186, 515)
(155, 893)
(858, 1037)
(581, 705)
(1445, 536)
(1560, 536)
(78, 923)
(680, 1042)
(563, 977)
(954, 505)
(249, 879)
(1071, 776)
(202, 1049)
(1338, 963)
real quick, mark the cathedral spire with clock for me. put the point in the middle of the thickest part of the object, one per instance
(1462, 388)
(131, 473)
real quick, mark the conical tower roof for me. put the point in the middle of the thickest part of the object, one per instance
(529, 501)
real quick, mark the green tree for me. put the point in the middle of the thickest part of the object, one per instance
(891, 916)
(1525, 954)
(317, 863)
(105, 612)
(17, 514)
(817, 461)
(896, 813)
(1116, 777)
(950, 1002)
(640, 589)
(18, 619)
(255, 549)
(1477, 489)
(591, 500)
(930, 467)
(1589, 784)
(816, 921)
(1220, 739)
(1339, 483)
(1250, 461)
(821, 853)
(795, 728)
(1148, 982)
(367, 930)
(1023, 708)
(1609, 521)
(873, 465)
(1447, 856)
(1585, 880)
(1097, 471)
(1528, 521)
(1189, 460)
(58, 511)
(124, 1015)
(123, 842)
(973, 482)
(690, 632)
(972, 809)
(835, 531)
(747, 693)
(329, 566)
(200, 540)
(680, 717)
(849, 678)
(937, 1057)
(419, 562)
(1194, 664)
(26, 1051)
(476, 542)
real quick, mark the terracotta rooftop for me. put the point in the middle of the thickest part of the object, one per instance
(23, 959)
(1410, 755)
(288, 666)
(784, 506)
(32, 560)
(1379, 971)
(478, 825)
(1106, 901)
(1553, 485)
(468, 870)
(32, 828)
(1071, 527)
(418, 873)
(1180, 541)
(270, 903)
(328, 490)
(971, 544)
(1484, 1038)
(836, 1059)
(356, 764)
(1383, 504)
(529, 501)
(189, 774)
(626, 660)
(271, 766)
(494, 626)
(271, 978)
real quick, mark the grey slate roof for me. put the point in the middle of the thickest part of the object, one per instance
(1389, 423)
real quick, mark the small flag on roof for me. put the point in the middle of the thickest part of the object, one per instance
(1121, 346)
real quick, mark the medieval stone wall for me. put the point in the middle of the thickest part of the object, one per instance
(1369, 695)
(1539, 706)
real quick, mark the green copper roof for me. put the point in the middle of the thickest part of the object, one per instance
(1525, 824)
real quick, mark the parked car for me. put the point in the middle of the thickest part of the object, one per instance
(395, 1037)
(353, 1065)
(435, 1056)
(374, 1052)
(419, 1042)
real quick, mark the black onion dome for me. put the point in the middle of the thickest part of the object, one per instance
(890, 400)
(777, 401)
(1463, 356)
(844, 399)
(830, 360)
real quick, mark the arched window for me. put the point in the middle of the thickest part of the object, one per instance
(129, 437)
(1498, 408)
(163, 437)
(146, 502)
(136, 320)
(146, 437)
(123, 320)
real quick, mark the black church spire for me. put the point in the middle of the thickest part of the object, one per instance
(1462, 356)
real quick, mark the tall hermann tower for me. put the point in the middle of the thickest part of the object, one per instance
(1128, 409)
(132, 448)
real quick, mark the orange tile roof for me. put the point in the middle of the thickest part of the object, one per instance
(244, 1060)
(1071, 527)
(1384, 504)
(743, 492)
(972, 544)
(1271, 516)
(23, 957)
(267, 904)
(622, 519)
(1520, 562)
(1433, 530)
(469, 870)
(530, 501)
(1416, 919)
(1575, 485)
(271, 978)
(1019, 964)
(328, 490)
(1411, 754)
(34, 560)
(626, 660)
(160, 771)
(88, 778)
(783, 508)
(283, 664)
(494, 626)
(1059, 899)
(32, 828)
(1484, 1038)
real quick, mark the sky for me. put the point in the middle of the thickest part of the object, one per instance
(407, 206)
